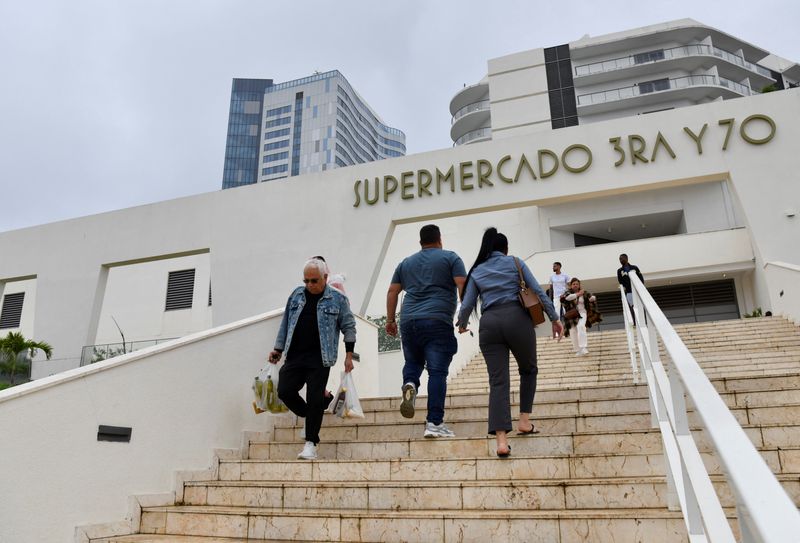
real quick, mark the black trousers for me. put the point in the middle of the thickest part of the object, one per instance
(308, 371)
(508, 328)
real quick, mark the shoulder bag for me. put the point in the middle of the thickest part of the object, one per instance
(528, 298)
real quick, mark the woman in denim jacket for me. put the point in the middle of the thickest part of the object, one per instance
(505, 327)
(309, 335)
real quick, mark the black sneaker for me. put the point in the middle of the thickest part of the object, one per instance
(328, 399)
(409, 395)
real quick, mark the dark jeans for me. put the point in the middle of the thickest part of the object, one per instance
(308, 371)
(431, 344)
(505, 328)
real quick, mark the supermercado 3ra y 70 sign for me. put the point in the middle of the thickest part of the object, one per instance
(575, 159)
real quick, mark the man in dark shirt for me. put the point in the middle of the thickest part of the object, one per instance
(309, 333)
(624, 279)
(431, 278)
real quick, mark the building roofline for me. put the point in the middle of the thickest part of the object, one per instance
(752, 51)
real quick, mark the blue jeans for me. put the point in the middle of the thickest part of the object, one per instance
(429, 343)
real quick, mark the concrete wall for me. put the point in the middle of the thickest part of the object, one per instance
(680, 258)
(784, 290)
(518, 93)
(135, 296)
(182, 400)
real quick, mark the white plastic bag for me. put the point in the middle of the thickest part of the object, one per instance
(346, 403)
(265, 388)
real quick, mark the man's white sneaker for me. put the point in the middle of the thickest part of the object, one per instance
(407, 405)
(309, 452)
(437, 430)
(582, 352)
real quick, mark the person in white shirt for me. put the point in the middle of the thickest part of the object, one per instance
(559, 284)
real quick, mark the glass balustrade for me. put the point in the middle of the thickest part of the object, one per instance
(676, 83)
(469, 108)
(668, 54)
(474, 135)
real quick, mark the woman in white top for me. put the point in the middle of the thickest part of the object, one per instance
(576, 303)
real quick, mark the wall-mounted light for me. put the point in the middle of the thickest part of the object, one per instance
(644, 226)
(790, 213)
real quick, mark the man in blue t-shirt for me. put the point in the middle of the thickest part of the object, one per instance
(432, 279)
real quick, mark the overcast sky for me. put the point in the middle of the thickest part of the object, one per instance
(108, 104)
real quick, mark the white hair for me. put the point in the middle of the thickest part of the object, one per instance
(318, 265)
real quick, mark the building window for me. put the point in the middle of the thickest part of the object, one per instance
(560, 86)
(180, 290)
(275, 169)
(653, 86)
(277, 156)
(298, 126)
(650, 56)
(12, 310)
(278, 122)
(276, 145)
(278, 111)
(277, 133)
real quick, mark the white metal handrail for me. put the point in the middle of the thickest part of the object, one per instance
(765, 512)
(630, 334)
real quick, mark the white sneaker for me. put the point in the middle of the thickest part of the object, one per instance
(309, 452)
(437, 430)
(582, 352)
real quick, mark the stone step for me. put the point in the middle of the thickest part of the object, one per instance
(626, 460)
(566, 353)
(154, 538)
(784, 379)
(587, 525)
(549, 380)
(636, 402)
(647, 441)
(753, 370)
(477, 426)
(604, 359)
(485, 494)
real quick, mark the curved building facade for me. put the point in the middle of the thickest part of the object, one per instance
(302, 126)
(635, 72)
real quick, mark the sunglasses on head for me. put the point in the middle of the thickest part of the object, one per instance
(313, 281)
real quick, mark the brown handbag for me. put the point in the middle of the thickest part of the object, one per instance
(529, 300)
(572, 314)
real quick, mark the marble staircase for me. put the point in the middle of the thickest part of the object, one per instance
(595, 473)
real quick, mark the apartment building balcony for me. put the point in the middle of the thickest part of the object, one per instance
(470, 118)
(688, 57)
(481, 134)
(692, 87)
(470, 112)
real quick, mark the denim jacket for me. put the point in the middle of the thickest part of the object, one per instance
(333, 316)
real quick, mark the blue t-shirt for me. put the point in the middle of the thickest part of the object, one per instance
(427, 278)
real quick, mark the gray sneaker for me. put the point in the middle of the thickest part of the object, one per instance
(409, 395)
(438, 430)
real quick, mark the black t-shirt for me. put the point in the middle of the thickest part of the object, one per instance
(305, 339)
(622, 276)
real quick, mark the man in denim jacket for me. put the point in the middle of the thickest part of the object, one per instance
(309, 334)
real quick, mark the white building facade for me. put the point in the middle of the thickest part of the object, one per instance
(635, 72)
(302, 126)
